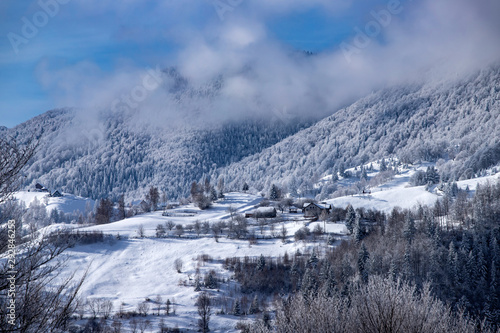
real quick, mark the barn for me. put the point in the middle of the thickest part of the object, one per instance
(314, 210)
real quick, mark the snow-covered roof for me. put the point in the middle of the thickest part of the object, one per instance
(317, 205)
(265, 210)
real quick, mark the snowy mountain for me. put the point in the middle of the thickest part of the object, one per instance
(113, 156)
(113, 153)
(452, 123)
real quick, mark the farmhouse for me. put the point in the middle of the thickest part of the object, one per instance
(313, 210)
(56, 194)
(40, 188)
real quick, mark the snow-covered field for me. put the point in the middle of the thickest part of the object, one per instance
(129, 270)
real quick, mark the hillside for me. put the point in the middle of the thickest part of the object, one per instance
(113, 153)
(115, 156)
(452, 123)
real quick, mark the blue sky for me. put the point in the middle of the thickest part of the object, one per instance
(87, 42)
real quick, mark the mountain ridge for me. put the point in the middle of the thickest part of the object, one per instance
(442, 123)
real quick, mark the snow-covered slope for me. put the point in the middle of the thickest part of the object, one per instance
(454, 124)
(131, 269)
(399, 192)
(115, 156)
(68, 203)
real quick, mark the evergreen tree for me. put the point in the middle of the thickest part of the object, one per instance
(452, 268)
(237, 308)
(363, 257)
(220, 187)
(168, 307)
(309, 285)
(363, 174)
(357, 232)
(261, 263)
(197, 284)
(313, 260)
(407, 263)
(393, 270)
(254, 307)
(213, 194)
(274, 193)
(432, 175)
(350, 218)
(329, 286)
(207, 186)
(383, 166)
(245, 187)
(409, 229)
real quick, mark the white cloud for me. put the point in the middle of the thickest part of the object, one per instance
(428, 39)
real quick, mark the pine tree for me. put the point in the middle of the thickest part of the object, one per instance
(254, 307)
(350, 218)
(383, 166)
(363, 257)
(431, 175)
(364, 175)
(220, 188)
(309, 285)
(261, 263)
(213, 194)
(313, 260)
(393, 270)
(273, 193)
(245, 187)
(452, 264)
(237, 308)
(330, 285)
(168, 307)
(357, 232)
(407, 264)
(409, 229)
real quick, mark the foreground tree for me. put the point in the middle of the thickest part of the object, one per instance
(32, 298)
(381, 305)
(42, 302)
